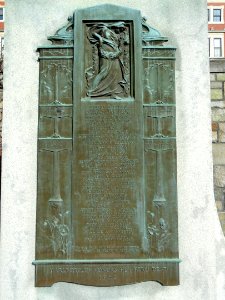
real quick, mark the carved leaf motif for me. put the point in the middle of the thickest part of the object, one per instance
(56, 81)
(158, 230)
(57, 232)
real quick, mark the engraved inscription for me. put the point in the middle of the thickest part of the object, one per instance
(108, 274)
(108, 269)
(109, 212)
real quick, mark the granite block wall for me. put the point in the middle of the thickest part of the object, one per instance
(217, 82)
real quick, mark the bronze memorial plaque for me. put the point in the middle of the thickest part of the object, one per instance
(106, 197)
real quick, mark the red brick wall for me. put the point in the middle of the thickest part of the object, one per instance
(215, 27)
(2, 3)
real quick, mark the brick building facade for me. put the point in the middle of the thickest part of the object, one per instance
(216, 38)
(216, 28)
(2, 23)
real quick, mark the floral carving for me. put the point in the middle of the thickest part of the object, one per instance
(158, 82)
(159, 231)
(56, 82)
(57, 231)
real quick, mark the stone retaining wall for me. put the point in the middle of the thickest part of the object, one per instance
(1, 107)
(217, 78)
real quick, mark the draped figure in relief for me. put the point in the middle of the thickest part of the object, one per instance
(110, 78)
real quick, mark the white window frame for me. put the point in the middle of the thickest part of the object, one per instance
(216, 47)
(211, 44)
(211, 8)
(3, 20)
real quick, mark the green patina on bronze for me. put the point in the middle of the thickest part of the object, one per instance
(106, 197)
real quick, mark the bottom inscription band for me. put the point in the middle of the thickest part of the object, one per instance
(107, 274)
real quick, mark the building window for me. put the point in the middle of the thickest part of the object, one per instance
(217, 47)
(217, 15)
(209, 46)
(1, 14)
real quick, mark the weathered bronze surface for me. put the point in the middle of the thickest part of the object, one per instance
(106, 201)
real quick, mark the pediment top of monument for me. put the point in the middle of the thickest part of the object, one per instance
(106, 12)
(107, 6)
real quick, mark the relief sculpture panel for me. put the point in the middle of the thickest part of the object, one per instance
(107, 61)
(106, 182)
